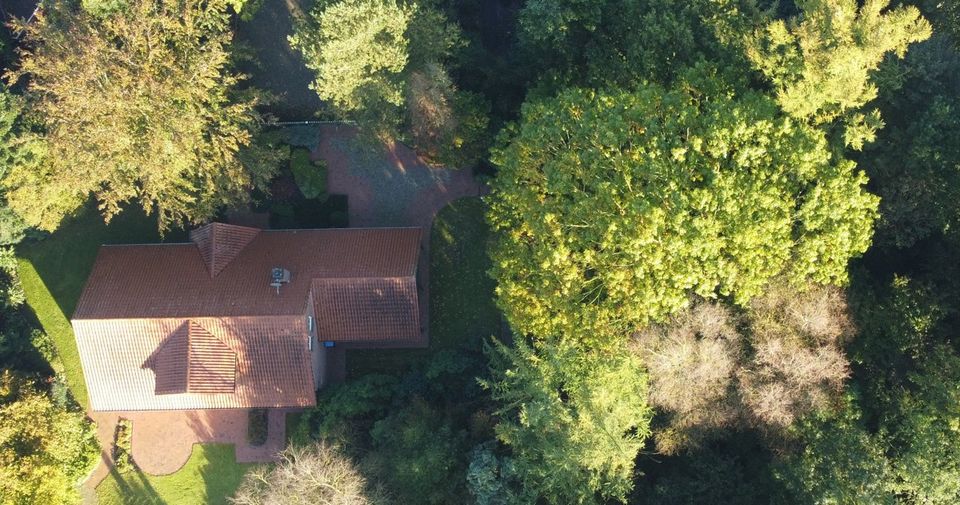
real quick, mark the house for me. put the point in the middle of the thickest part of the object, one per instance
(241, 317)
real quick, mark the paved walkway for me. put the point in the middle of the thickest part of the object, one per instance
(392, 187)
(163, 440)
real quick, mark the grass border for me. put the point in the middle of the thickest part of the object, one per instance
(55, 323)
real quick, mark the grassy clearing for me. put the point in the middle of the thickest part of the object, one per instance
(210, 476)
(54, 270)
(462, 310)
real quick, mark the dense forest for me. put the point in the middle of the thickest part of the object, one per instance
(719, 259)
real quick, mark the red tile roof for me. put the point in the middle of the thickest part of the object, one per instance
(220, 243)
(174, 327)
(366, 309)
(192, 360)
(273, 366)
(171, 280)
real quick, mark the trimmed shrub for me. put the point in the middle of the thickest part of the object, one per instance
(122, 451)
(311, 176)
(257, 427)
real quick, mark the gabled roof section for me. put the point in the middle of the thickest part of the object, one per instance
(220, 243)
(212, 365)
(192, 360)
(372, 309)
(171, 280)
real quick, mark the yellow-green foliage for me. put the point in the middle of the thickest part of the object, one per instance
(138, 104)
(613, 208)
(358, 49)
(45, 450)
(820, 62)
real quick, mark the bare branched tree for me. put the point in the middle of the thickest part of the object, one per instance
(317, 474)
(711, 369)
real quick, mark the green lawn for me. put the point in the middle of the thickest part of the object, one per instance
(462, 310)
(54, 270)
(209, 477)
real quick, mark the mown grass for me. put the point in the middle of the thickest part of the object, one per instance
(462, 308)
(53, 271)
(210, 476)
(55, 324)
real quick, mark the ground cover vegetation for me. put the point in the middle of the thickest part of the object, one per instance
(722, 237)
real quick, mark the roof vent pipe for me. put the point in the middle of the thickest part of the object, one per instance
(278, 277)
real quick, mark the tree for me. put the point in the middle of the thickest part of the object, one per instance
(837, 461)
(820, 61)
(359, 50)
(382, 63)
(914, 165)
(711, 370)
(138, 104)
(318, 473)
(798, 365)
(417, 453)
(613, 207)
(922, 431)
(574, 420)
(45, 450)
(693, 363)
(623, 43)
(18, 147)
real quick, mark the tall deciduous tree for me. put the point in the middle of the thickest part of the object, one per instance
(317, 473)
(613, 207)
(627, 42)
(359, 50)
(837, 460)
(820, 61)
(382, 63)
(574, 420)
(710, 370)
(18, 148)
(138, 103)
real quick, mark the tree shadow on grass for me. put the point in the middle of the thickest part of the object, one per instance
(221, 474)
(134, 488)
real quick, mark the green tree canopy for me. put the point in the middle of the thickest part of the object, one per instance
(820, 61)
(45, 450)
(837, 461)
(18, 147)
(574, 420)
(628, 42)
(382, 63)
(359, 49)
(613, 207)
(137, 104)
